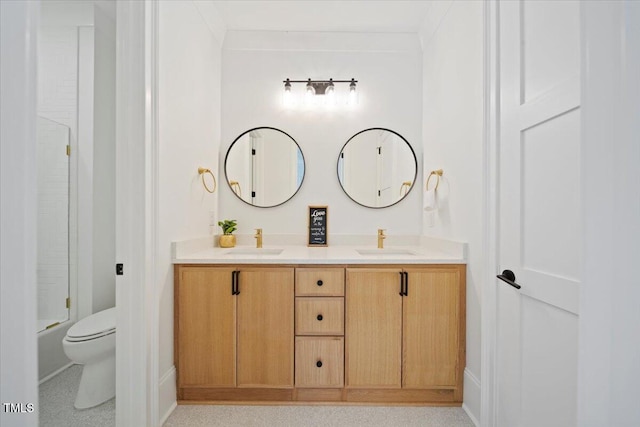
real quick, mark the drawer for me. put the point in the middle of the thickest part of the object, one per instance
(319, 282)
(320, 316)
(319, 362)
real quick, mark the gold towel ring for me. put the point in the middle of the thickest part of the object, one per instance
(202, 172)
(405, 186)
(235, 186)
(438, 173)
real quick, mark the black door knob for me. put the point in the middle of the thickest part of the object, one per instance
(319, 364)
(319, 317)
(319, 282)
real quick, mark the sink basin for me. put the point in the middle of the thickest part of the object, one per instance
(385, 252)
(254, 251)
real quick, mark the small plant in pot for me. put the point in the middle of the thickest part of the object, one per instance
(227, 240)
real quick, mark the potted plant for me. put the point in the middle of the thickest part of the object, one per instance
(227, 240)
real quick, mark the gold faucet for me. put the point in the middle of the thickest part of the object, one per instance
(381, 237)
(258, 237)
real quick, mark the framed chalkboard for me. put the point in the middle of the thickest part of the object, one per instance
(318, 229)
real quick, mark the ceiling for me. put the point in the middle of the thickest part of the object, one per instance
(375, 16)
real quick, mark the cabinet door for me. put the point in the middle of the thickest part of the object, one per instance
(206, 339)
(432, 345)
(373, 333)
(265, 327)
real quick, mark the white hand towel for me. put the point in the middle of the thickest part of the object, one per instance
(429, 200)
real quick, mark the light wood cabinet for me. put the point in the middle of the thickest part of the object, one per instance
(320, 316)
(373, 328)
(405, 329)
(368, 334)
(265, 327)
(319, 362)
(233, 329)
(206, 318)
(320, 282)
(431, 349)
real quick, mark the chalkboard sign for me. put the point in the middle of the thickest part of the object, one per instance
(318, 225)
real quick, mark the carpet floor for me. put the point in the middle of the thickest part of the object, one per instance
(56, 403)
(321, 416)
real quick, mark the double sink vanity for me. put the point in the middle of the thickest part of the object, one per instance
(345, 323)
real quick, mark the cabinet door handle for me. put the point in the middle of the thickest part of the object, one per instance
(406, 284)
(319, 317)
(401, 284)
(319, 364)
(233, 283)
(237, 283)
(319, 283)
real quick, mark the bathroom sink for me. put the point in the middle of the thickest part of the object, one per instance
(385, 252)
(254, 251)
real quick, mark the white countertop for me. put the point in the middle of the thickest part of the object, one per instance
(426, 251)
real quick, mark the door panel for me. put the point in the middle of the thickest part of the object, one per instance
(373, 331)
(265, 327)
(549, 350)
(539, 213)
(551, 45)
(207, 319)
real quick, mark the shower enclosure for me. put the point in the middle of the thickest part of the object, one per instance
(53, 223)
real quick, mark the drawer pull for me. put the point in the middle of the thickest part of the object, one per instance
(319, 364)
(319, 282)
(319, 317)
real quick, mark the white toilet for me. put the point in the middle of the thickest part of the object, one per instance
(92, 343)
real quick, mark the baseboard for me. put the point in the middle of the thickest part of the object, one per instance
(167, 395)
(56, 372)
(471, 404)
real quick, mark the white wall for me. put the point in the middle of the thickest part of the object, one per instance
(388, 68)
(453, 140)
(189, 135)
(18, 347)
(104, 164)
(68, 94)
(609, 343)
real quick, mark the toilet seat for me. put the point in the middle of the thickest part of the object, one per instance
(93, 327)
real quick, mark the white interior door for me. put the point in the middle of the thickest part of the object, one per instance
(539, 213)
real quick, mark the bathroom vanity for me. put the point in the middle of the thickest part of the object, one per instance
(337, 324)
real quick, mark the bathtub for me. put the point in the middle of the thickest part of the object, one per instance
(51, 357)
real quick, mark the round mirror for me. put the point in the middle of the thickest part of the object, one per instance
(264, 167)
(377, 168)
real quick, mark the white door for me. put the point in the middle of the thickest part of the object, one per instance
(539, 213)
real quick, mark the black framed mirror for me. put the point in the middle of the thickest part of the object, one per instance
(377, 168)
(264, 167)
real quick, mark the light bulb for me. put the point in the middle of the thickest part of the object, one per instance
(287, 97)
(310, 94)
(353, 95)
(330, 94)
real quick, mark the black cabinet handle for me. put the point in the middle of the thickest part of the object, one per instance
(233, 282)
(319, 364)
(319, 317)
(406, 284)
(507, 276)
(235, 278)
(319, 282)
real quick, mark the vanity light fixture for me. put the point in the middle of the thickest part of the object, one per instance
(319, 87)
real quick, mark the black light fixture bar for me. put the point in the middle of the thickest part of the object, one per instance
(319, 81)
(319, 87)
